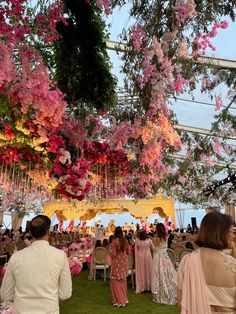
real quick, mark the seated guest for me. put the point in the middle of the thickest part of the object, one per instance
(105, 243)
(98, 243)
(207, 277)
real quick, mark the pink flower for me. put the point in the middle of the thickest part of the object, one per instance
(217, 147)
(219, 103)
(137, 36)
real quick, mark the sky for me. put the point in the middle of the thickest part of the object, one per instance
(188, 113)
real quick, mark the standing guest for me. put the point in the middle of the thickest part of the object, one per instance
(143, 262)
(137, 230)
(163, 272)
(109, 242)
(119, 251)
(98, 243)
(38, 276)
(207, 277)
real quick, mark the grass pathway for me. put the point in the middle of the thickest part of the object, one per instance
(94, 297)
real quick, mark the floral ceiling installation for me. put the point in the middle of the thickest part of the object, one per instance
(63, 131)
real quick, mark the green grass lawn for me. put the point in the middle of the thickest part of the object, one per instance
(94, 297)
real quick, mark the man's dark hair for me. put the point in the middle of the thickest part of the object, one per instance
(39, 226)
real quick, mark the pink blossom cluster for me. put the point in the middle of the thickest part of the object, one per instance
(35, 91)
(141, 182)
(202, 41)
(104, 4)
(208, 160)
(45, 24)
(138, 35)
(152, 154)
(219, 103)
(164, 78)
(75, 266)
(17, 25)
(217, 147)
(183, 49)
(24, 80)
(184, 9)
(54, 143)
(74, 130)
(73, 177)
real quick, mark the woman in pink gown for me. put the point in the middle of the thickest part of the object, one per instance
(119, 251)
(143, 262)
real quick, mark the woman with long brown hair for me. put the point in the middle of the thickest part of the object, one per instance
(163, 272)
(119, 251)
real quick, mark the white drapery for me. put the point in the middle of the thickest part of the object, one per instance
(180, 213)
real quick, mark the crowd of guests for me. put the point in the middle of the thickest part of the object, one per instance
(206, 278)
(203, 282)
(154, 270)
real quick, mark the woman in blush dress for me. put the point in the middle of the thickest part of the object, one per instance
(119, 251)
(206, 278)
(163, 273)
(143, 262)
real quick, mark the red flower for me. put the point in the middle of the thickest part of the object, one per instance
(9, 132)
(55, 142)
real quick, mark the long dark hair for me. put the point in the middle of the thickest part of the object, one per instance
(119, 234)
(161, 231)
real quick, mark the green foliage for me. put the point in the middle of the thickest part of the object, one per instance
(82, 63)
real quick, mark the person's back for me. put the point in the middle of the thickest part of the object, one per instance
(36, 278)
(206, 278)
(220, 275)
(37, 270)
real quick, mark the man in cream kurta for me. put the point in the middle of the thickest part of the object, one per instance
(37, 276)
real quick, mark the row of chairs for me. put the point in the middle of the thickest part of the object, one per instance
(177, 254)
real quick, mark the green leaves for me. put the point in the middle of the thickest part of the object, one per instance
(82, 63)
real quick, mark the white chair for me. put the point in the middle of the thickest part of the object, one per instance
(100, 261)
(131, 269)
